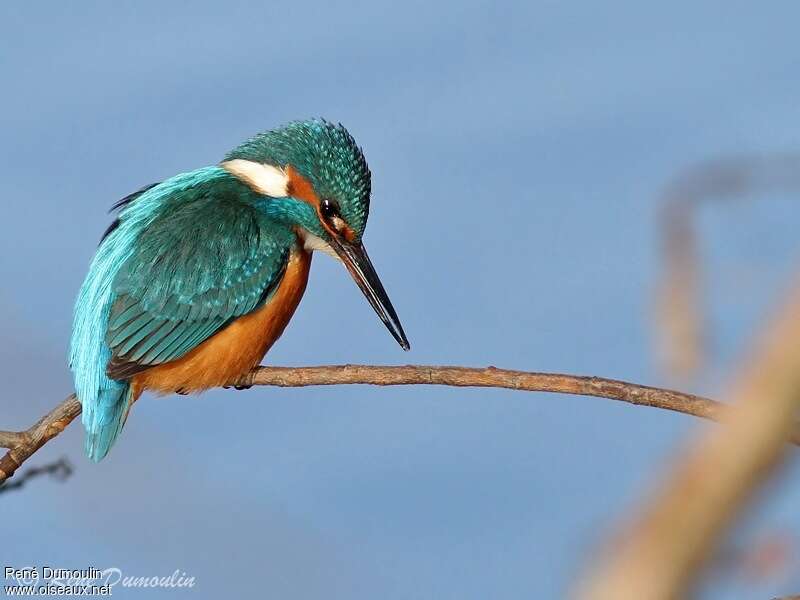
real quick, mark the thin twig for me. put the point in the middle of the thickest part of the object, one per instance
(59, 470)
(55, 421)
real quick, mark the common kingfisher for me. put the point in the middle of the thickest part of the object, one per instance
(199, 275)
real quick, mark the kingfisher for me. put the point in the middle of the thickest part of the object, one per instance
(199, 275)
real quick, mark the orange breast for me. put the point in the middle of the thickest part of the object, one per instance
(232, 352)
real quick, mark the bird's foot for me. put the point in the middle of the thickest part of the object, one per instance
(237, 386)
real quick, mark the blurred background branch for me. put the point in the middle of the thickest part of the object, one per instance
(675, 532)
(681, 328)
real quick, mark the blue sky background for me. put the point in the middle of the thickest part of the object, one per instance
(518, 151)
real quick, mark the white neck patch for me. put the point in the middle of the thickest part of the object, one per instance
(272, 181)
(312, 242)
(264, 179)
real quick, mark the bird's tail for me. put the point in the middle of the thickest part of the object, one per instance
(105, 402)
(104, 420)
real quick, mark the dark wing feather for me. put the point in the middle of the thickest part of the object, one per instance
(122, 204)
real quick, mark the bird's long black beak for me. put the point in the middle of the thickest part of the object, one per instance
(355, 258)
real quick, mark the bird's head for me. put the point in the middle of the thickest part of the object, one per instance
(314, 177)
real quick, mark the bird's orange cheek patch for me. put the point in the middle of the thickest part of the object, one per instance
(300, 187)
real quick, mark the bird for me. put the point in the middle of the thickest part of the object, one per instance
(199, 275)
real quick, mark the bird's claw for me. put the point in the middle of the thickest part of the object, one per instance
(237, 386)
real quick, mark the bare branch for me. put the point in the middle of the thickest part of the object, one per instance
(24, 444)
(10, 439)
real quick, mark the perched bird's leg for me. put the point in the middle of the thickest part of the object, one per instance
(245, 382)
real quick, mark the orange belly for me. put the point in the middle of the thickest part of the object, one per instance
(231, 353)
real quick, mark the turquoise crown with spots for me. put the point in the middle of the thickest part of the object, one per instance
(325, 154)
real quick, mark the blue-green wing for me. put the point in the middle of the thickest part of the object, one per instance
(198, 265)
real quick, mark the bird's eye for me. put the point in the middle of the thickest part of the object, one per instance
(328, 209)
